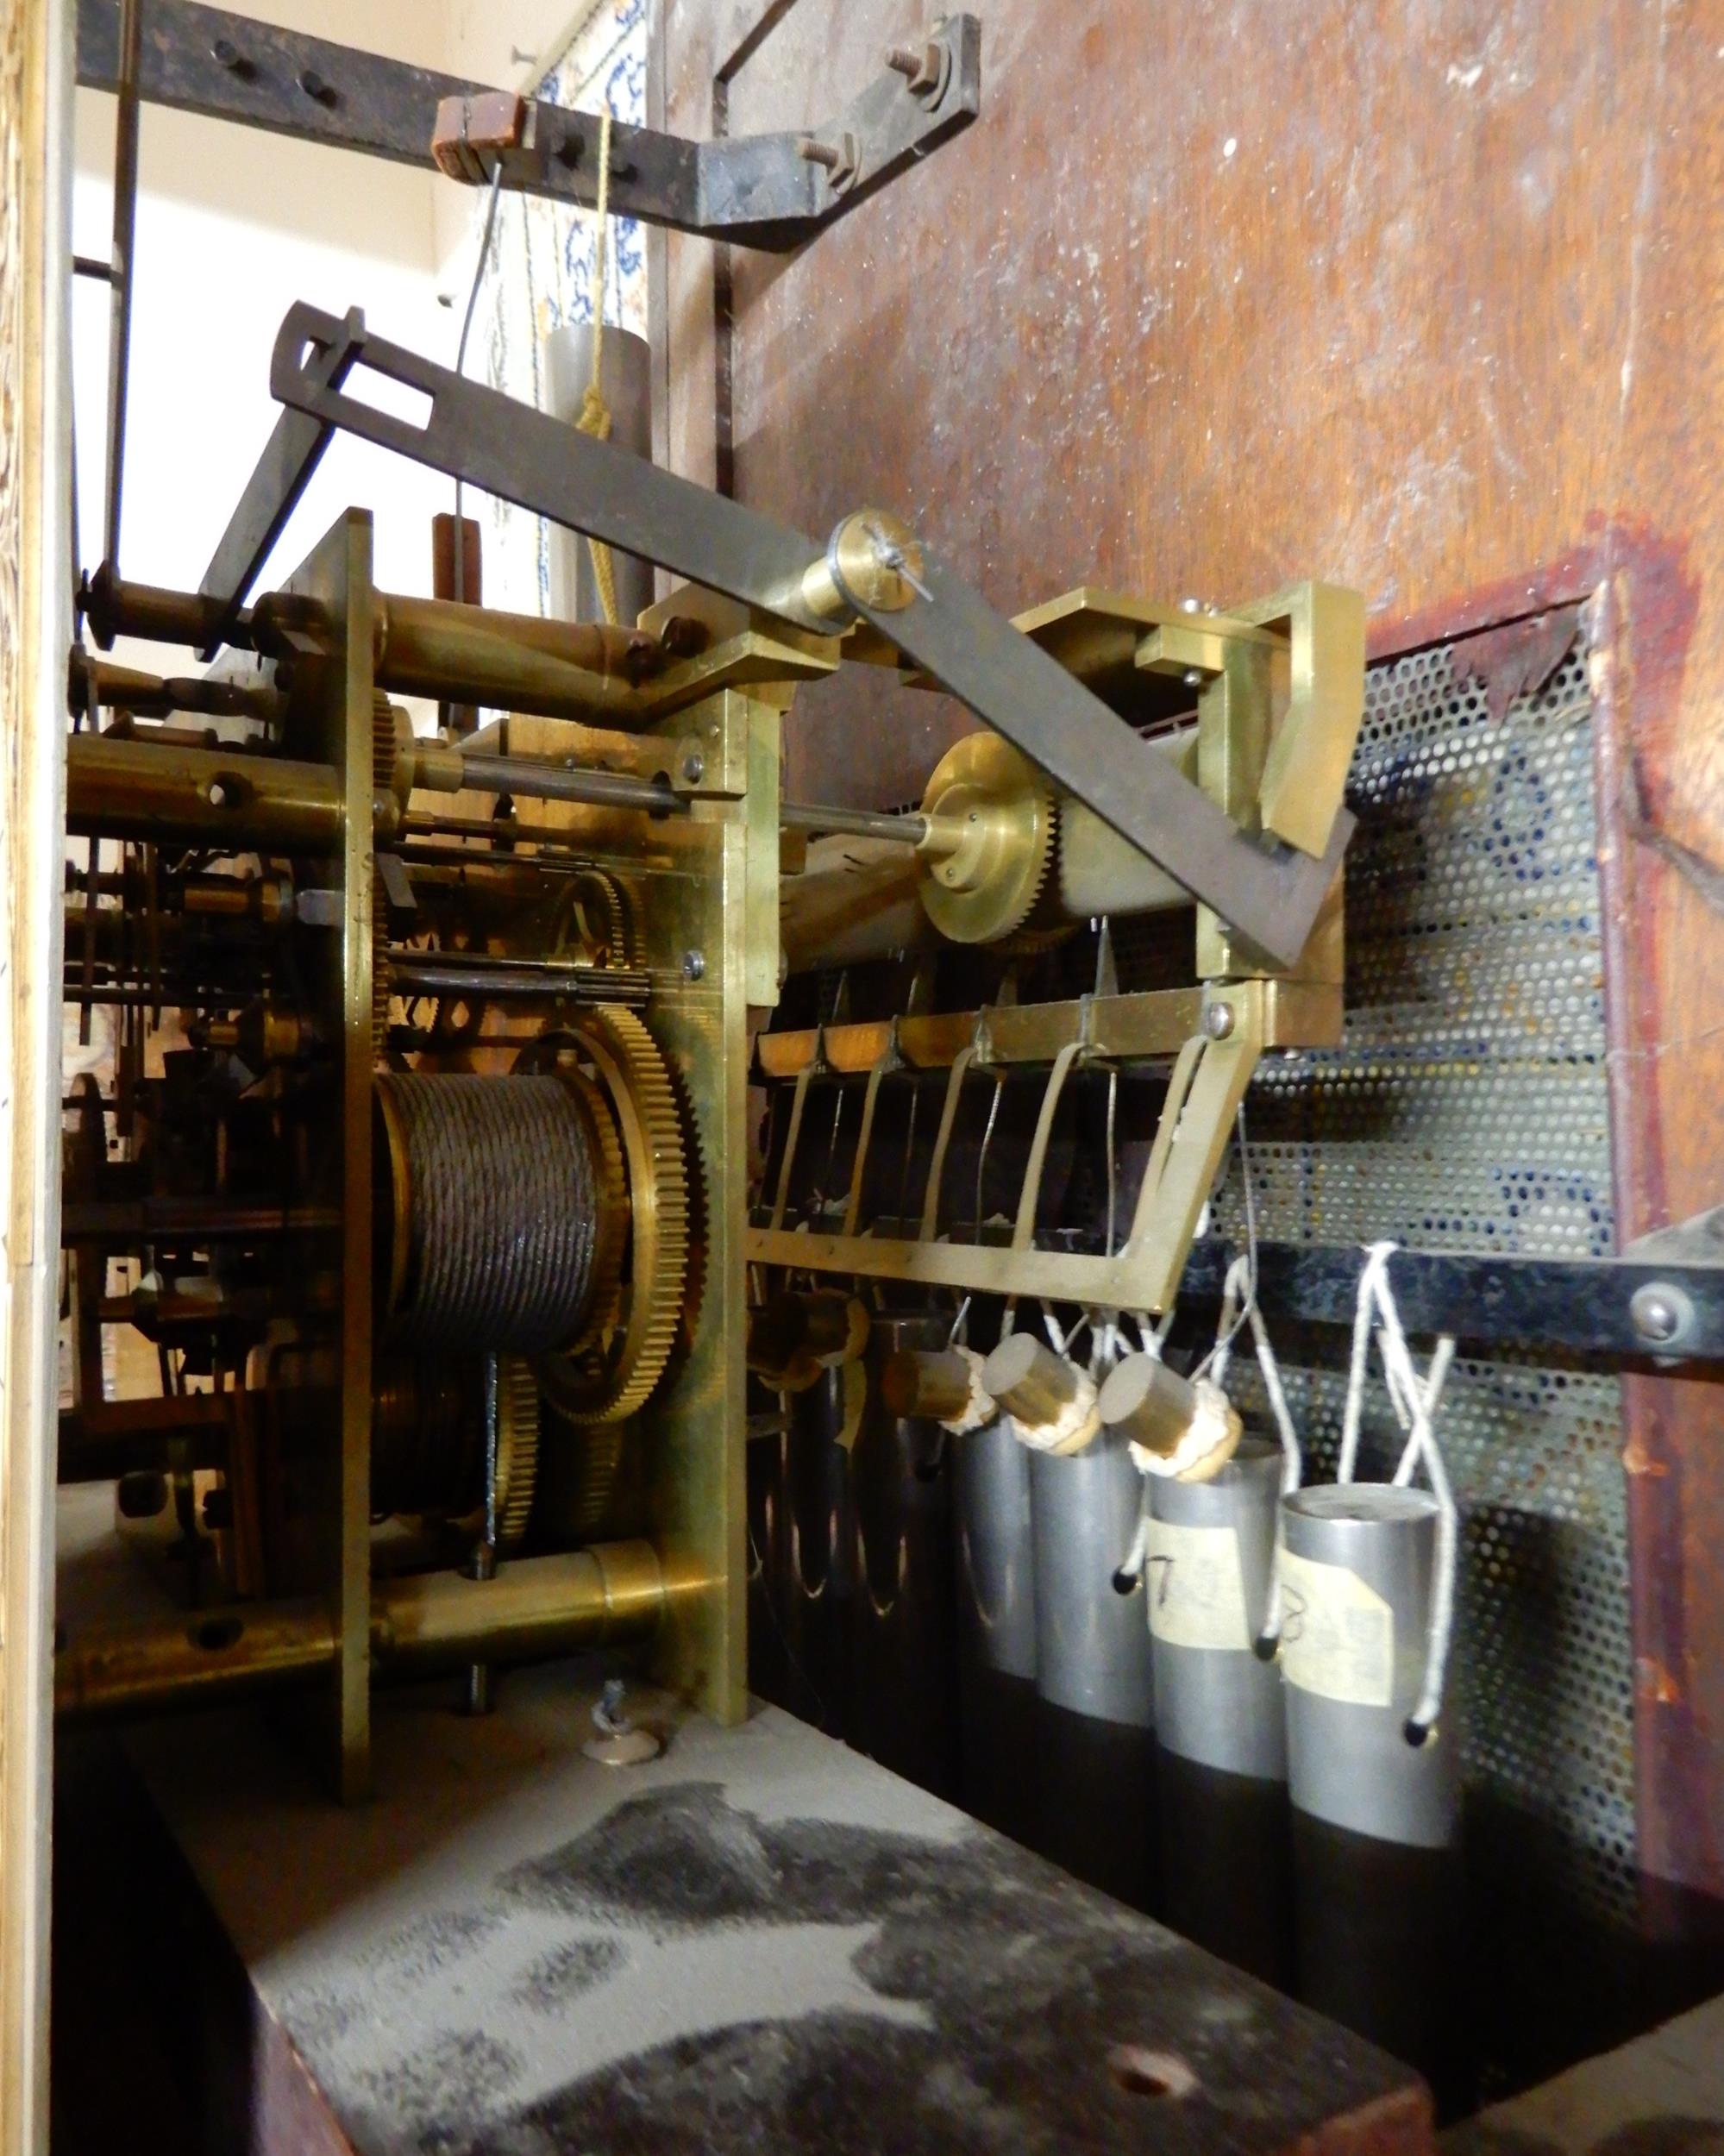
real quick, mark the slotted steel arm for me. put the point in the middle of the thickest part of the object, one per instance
(1267, 891)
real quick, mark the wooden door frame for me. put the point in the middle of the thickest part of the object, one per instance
(37, 77)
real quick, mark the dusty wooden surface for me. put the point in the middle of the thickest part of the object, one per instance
(1422, 300)
(35, 554)
(759, 1941)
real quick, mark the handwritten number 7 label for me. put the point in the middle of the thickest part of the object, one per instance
(1196, 1593)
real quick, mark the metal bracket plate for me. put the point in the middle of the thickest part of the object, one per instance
(756, 190)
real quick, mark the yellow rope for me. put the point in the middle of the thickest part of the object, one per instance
(595, 413)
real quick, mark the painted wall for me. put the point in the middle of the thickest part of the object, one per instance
(234, 225)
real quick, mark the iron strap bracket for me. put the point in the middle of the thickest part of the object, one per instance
(1269, 892)
(768, 191)
(1631, 1307)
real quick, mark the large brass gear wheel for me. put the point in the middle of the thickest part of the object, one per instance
(517, 1447)
(615, 1375)
(1000, 814)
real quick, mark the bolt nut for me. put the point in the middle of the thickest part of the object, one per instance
(924, 71)
(1660, 1313)
(693, 767)
(693, 965)
(1218, 1020)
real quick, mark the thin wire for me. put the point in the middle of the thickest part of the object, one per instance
(479, 269)
(981, 1158)
(1112, 1107)
(1249, 1300)
(909, 1150)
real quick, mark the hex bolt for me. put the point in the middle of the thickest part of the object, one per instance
(1660, 1313)
(315, 87)
(693, 767)
(693, 965)
(1218, 1020)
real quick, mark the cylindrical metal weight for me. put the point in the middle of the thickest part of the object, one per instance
(904, 1653)
(1093, 1671)
(814, 1590)
(625, 379)
(1220, 1725)
(1376, 1883)
(996, 1588)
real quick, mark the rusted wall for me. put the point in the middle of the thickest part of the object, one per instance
(1427, 299)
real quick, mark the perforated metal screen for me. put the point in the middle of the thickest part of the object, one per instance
(1466, 1109)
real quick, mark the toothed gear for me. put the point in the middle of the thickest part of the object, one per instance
(596, 1452)
(383, 742)
(616, 1375)
(603, 905)
(612, 1210)
(380, 988)
(1039, 931)
(517, 1446)
(988, 886)
(387, 722)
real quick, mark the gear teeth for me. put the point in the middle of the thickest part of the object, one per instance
(612, 1198)
(599, 1393)
(1036, 932)
(517, 1446)
(380, 990)
(384, 740)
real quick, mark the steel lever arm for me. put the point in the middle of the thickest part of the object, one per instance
(1269, 892)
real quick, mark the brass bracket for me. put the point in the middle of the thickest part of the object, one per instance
(1209, 1079)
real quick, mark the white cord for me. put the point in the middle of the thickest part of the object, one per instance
(1414, 1400)
(1240, 1305)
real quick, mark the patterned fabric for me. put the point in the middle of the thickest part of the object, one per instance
(540, 276)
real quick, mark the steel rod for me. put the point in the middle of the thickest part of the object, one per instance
(847, 822)
(126, 129)
(545, 781)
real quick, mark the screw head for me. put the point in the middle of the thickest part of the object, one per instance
(694, 766)
(693, 965)
(1659, 1313)
(1218, 1020)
